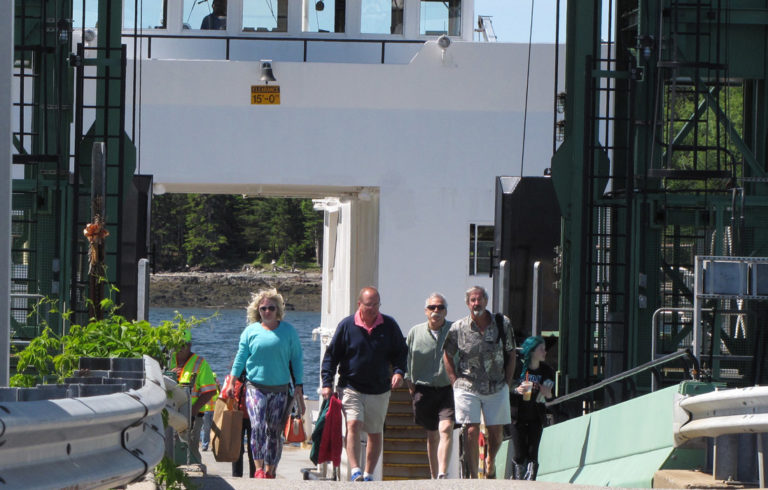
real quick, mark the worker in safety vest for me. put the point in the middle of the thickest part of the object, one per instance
(205, 434)
(192, 370)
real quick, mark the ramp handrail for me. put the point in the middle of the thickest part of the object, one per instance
(685, 353)
(88, 442)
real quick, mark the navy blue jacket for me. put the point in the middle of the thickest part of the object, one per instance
(364, 360)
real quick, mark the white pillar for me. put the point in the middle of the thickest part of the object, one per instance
(6, 76)
(411, 19)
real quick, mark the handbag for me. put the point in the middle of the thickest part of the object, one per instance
(294, 429)
(226, 431)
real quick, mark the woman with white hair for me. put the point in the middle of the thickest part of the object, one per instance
(270, 352)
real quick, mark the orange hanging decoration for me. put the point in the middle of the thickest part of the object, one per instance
(96, 232)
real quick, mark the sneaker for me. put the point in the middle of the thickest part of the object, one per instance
(260, 474)
(441, 476)
(357, 476)
(368, 478)
(268, 476)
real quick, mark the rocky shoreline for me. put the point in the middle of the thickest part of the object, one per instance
(301, 290)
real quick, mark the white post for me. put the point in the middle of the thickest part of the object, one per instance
(536, 306)
(698, 288)
(142, 291)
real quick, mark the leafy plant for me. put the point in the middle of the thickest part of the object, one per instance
(168, 476)
(49, 356)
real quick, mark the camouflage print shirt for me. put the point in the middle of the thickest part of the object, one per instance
(479, 360)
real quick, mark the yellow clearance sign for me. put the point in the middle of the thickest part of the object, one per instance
(265, 95)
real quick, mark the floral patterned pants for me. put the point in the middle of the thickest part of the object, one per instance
(266, 411)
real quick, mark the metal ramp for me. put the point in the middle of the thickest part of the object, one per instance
(405, 443)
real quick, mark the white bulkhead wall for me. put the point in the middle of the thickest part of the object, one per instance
(429, 136)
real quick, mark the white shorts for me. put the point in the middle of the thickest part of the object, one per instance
(494, 408)
(371, 410)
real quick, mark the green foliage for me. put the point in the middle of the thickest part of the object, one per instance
(168, 230)
(262, 259)
(220, 231)
(49, 356)
(168, 476)
(717, 149)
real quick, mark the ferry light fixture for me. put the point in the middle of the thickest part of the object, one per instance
(266, 72)
(444, 42)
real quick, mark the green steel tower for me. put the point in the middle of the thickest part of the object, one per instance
(663, 159)
(69, 100)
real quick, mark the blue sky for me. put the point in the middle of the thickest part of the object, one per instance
(511, 19)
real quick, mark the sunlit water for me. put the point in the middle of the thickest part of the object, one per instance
(216, 340)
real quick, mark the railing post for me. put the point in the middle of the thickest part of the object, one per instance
(761, 460)
(726, 457)
(698, 288)
(142, 296)
(536, 306)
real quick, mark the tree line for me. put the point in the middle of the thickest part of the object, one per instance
(217, 231)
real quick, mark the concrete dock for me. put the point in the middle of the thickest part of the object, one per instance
(217, 476)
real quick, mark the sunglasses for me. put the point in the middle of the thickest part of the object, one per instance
(267, 308)
(435, 307)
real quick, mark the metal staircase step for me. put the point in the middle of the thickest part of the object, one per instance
(406, 472)
(399, 420)
(406, 457)
(401, 432)
(418, 445)
(405, 444)
(401, 407)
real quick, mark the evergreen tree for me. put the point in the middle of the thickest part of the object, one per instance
(224, 231)
(313, 231)
(213, 238)
(168, 230)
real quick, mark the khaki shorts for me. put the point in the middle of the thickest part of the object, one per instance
(494, 408)
(371, 410)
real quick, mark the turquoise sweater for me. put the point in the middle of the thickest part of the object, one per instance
(265, 355)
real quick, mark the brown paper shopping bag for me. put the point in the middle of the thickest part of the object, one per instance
(226, 431)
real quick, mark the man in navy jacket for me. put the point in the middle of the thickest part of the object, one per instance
(370, 353)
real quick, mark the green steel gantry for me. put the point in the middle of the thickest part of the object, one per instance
(663, 158)
(67, 97)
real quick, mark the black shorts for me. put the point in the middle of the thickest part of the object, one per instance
(431, 405)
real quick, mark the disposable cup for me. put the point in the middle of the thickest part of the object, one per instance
(527, 388)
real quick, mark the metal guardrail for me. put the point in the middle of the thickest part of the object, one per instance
(88, 442)
(305, 42)
(723, 414)
(733, 411)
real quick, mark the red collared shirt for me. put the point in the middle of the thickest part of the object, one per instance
(360, 323)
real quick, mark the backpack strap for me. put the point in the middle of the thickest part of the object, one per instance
(502, 334)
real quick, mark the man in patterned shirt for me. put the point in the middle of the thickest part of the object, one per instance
(485, 348)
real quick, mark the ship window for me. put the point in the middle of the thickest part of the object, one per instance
(324, 15)
(152, 14)
(440, 17)
(480, 247)
(199, 14)
(382, 16)
(265, 15)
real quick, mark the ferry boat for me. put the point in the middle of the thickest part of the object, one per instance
(601, 182)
